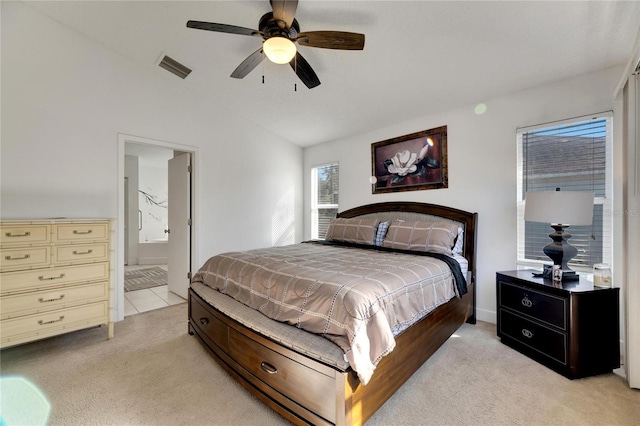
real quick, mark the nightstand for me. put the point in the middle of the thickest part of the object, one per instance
(571, 327)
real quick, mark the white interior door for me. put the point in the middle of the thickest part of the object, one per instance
(179, 192)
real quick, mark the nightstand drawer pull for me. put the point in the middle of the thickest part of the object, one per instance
(527, 333)
(41, 300)
(26, 256)
(204, 321)
(76, 232)
(42, 278)
(526, 302)
(52, 321)
(9, 234)
(82, 252)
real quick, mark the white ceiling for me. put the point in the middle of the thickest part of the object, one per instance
(420, 57)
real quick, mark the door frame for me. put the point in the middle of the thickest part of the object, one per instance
(117, 294)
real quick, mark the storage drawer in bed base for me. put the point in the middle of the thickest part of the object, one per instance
(353, 403)
(212, 327)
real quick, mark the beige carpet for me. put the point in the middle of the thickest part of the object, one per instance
(154, 373)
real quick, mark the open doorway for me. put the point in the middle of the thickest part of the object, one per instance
(148, 207)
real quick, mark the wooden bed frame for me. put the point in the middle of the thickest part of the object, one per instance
(306, 391)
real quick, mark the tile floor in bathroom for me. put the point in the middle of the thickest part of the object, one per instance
(150, 298)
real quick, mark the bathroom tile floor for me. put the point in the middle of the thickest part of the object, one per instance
(149, 298)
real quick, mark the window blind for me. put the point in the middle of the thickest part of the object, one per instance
(573, 155)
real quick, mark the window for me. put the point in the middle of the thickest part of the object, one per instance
(573, 155)
(324, 198)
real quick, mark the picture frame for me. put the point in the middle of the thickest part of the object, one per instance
(413, 162)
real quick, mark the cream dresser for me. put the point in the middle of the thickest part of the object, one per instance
(54, 277)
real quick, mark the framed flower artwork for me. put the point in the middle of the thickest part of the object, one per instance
(411, 162)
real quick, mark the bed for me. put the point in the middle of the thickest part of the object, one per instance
(323, 367)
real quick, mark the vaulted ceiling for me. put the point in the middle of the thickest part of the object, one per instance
(419, 57)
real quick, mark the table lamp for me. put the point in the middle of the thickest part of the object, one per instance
(560, 209)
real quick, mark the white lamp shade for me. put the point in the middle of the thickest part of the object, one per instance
(279, 50)
(561, 207)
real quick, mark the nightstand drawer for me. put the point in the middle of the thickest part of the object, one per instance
(542, 339)
(547, 308)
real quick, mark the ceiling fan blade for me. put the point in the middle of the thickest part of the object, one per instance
(223, 28)
(304, 71)
(248, 64)
(284, 10)
(332, 40)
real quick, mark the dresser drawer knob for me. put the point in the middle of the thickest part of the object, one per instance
(527, 333)
(52, 321)
(41, 300)
(76, 232)
(204, 321)
(268, 368)
(26, 256)
(42, 278)
(526, 302)
(9, 234)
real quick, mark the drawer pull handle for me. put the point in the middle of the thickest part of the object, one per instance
(41, 300)
(42, 278)
(268, 368)
(76, 232)
(527, 333)
(204, 321)
(526, 302)
(9, 234)
(26, 256)
(52, 321)
(82, 252)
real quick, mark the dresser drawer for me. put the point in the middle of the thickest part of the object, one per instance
(24, 258)
(26, 328)
(547, 308)
(541, 339)
(81, 253)
(47, 300)
(14, 282)
(283, 374)
(80, 232)
(24, 234)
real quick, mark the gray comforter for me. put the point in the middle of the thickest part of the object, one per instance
(360, 299)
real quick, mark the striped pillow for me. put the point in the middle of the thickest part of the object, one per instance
(382, 231)
(435, 237)
(358, 231)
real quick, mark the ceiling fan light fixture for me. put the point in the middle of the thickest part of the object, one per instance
(279, 50)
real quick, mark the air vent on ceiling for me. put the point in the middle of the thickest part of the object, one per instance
(174, 67)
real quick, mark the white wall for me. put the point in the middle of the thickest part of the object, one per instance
(482, 164)
(66, 98)
(154, 181)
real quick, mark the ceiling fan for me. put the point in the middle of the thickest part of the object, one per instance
(280, 31)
